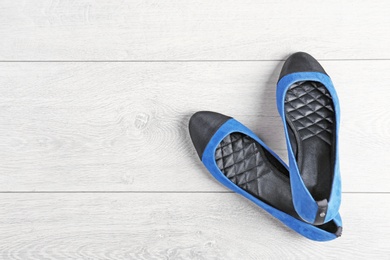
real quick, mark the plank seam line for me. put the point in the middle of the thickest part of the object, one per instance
(172, 61)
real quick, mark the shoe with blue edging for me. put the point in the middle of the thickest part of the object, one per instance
(239, 160)
(308, 105)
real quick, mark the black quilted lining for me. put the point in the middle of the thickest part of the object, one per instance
(310, 108)
(311, 120)
(247, 164)
(239, 159)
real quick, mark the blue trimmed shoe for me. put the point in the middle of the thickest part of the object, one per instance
(238, 159)
(309, 107)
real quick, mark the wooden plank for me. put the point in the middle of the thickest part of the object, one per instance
(192, 30)
(123, 126)
(177, 226)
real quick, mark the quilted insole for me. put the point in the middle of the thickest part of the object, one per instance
(248, 165)
(310, 117)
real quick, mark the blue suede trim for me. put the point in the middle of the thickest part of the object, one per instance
(208, 159)
(304, 203)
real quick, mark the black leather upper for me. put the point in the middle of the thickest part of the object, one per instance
(202, 126)
(301, 62)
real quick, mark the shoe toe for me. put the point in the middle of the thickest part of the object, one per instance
(203, 126)
(301, 62)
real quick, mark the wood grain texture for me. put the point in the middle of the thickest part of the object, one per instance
(95, 157)
(177, 226)
(192, 30)
(123, 126)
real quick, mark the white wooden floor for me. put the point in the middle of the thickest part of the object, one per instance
(95, 96)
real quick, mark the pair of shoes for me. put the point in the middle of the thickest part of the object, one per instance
(306, 195)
